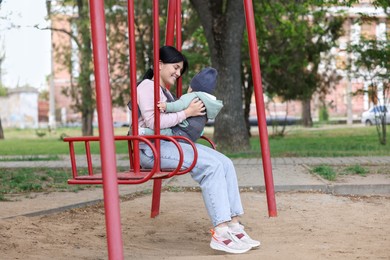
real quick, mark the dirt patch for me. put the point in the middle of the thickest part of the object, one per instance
(308, 226)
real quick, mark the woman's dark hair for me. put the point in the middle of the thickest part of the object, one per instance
(169, 54)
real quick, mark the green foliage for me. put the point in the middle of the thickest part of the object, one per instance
(356, 169)
(18, 181)
(40, 133)
(3, 91)
(44, 95)
(329, 173)
(371, 62)
(290, 46)
(325, 171)
(292, 36)
(373, 57)
(80, 89)
(323, 114)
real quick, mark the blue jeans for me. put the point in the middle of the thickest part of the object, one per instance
(213, 171)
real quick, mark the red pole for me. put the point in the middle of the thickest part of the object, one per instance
(106, 131)
(179, 88)
(156, 49)
(256, 73)
(133, 84)
(170, 29)
(156, 70)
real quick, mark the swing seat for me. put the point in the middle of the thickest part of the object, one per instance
(134, 175)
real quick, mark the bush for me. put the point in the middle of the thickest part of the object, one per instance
(323, 114)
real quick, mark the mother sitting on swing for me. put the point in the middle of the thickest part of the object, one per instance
(214, 171)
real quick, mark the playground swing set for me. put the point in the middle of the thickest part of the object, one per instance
(109, 176)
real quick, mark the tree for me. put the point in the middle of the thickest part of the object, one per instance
(81, 88)
(116, 17)
(372, 64)
(78, 60)
(223, 24)
(371, 61)
(292, 38)
(3, 90)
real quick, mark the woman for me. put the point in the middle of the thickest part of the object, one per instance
(213, 171)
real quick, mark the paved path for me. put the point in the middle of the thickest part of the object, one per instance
(64, 161)
(288, 174)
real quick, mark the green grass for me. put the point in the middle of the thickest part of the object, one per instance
(27, 143)
(25, 180)
(326, 172)
(30, 158)
(356, 169)
(336, 142)
(298, 142)
(332, 172)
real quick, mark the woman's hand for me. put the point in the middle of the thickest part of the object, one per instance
(196, 108)
(162, 106)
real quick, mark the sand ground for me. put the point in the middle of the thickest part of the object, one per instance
(308, 226)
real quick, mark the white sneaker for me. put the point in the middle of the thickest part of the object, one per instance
(240, 233)
(228, 242)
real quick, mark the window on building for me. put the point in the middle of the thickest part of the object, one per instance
(368, 30)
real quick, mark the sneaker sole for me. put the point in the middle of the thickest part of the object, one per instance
(220, 247)
(254, 246)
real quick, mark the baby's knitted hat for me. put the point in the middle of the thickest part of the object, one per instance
(205, 80)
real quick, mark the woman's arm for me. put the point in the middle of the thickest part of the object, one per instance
(145, 95)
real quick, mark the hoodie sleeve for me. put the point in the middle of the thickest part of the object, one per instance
(145, 96)
(180, 104)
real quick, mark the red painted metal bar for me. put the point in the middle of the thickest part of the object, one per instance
(106, 131)
(176, 171)
(143, 176)
(180, 150)
(89, 159)
(170, 28)
(156, 49)
(169, 40)
(133, 85)
(86, 139)
(73, 159)
(179, 87)
(212, 144)
(265, 151)
(130, 151)
(182, 156)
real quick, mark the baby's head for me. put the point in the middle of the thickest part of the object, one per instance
(205, 80)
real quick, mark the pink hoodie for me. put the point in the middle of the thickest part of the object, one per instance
(145, 97)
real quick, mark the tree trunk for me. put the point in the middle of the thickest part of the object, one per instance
(307, 121)
(1, 131)
(86, 123)
(86, 98)
(248, 92)
(224, 23)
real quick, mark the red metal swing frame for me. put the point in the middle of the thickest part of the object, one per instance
(110, 177)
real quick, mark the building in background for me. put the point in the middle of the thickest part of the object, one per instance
(340, 103)
(19, 108)
(65, 115)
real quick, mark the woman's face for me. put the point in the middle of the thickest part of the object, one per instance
(169, 73)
